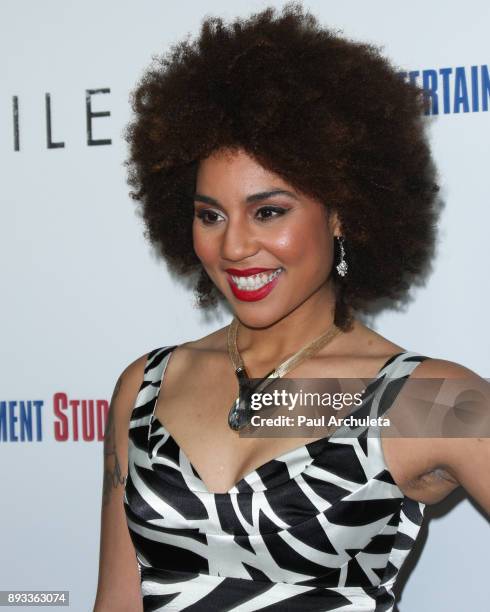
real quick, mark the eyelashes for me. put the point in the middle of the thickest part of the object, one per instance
(204, 216)
(210, 217)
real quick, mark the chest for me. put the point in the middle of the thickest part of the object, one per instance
(194, 410)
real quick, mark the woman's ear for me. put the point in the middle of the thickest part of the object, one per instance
(334, 223)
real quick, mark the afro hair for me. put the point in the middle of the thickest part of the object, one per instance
(331, 116)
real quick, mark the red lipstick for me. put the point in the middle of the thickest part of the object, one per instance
(252, 295)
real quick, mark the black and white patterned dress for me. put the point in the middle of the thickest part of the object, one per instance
(321, 527)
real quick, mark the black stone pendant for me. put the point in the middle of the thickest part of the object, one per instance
(239, 414)
(241, 411)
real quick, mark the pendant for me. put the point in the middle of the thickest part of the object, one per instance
(240, 412)
(238, 416)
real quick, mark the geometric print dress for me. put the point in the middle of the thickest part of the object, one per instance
(320, 527)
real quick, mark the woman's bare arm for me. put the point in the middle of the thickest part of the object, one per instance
(118, 588)
(465, 459)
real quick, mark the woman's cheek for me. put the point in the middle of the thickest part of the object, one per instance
(204, 249)
(197, 241)
(288, 243)
(292, 249)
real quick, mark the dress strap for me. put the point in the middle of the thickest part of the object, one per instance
(155, 371)
(150, 385)
(403, 364)
(381, 393)
(395, 374)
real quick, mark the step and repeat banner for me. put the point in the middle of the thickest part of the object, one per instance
(84, 295)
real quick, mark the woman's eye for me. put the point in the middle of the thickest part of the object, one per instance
(269, 212)
(208, 217)
(264, 213)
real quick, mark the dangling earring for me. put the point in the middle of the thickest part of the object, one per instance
(342, 266)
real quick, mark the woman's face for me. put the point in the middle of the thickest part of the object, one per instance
(267, 247)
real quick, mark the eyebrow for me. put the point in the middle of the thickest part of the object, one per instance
(255, 197)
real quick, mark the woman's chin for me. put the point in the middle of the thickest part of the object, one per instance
(257, 317)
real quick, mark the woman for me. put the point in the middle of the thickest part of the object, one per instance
(289, 168)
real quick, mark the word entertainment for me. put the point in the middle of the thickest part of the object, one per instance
(452, 90)
(321, 421)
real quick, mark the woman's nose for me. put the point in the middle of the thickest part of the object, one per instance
(238, 241)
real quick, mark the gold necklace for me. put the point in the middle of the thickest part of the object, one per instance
(240, 412)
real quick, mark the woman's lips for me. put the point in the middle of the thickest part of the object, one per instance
(252, 295)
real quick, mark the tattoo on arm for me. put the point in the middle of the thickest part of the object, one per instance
(112, 469)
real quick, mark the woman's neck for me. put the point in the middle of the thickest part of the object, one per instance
(289, 334)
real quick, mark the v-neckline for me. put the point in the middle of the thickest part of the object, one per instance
(246, 477)
(296, 450)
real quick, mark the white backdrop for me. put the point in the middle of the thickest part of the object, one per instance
(83, 295)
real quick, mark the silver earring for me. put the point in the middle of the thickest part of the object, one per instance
(342, 266)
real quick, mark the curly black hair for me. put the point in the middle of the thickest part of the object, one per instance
(331, 116)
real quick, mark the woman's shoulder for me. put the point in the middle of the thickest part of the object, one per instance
(214, 342)
(438, 367)
(367, 342)
(184, 357)
(192, 355)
